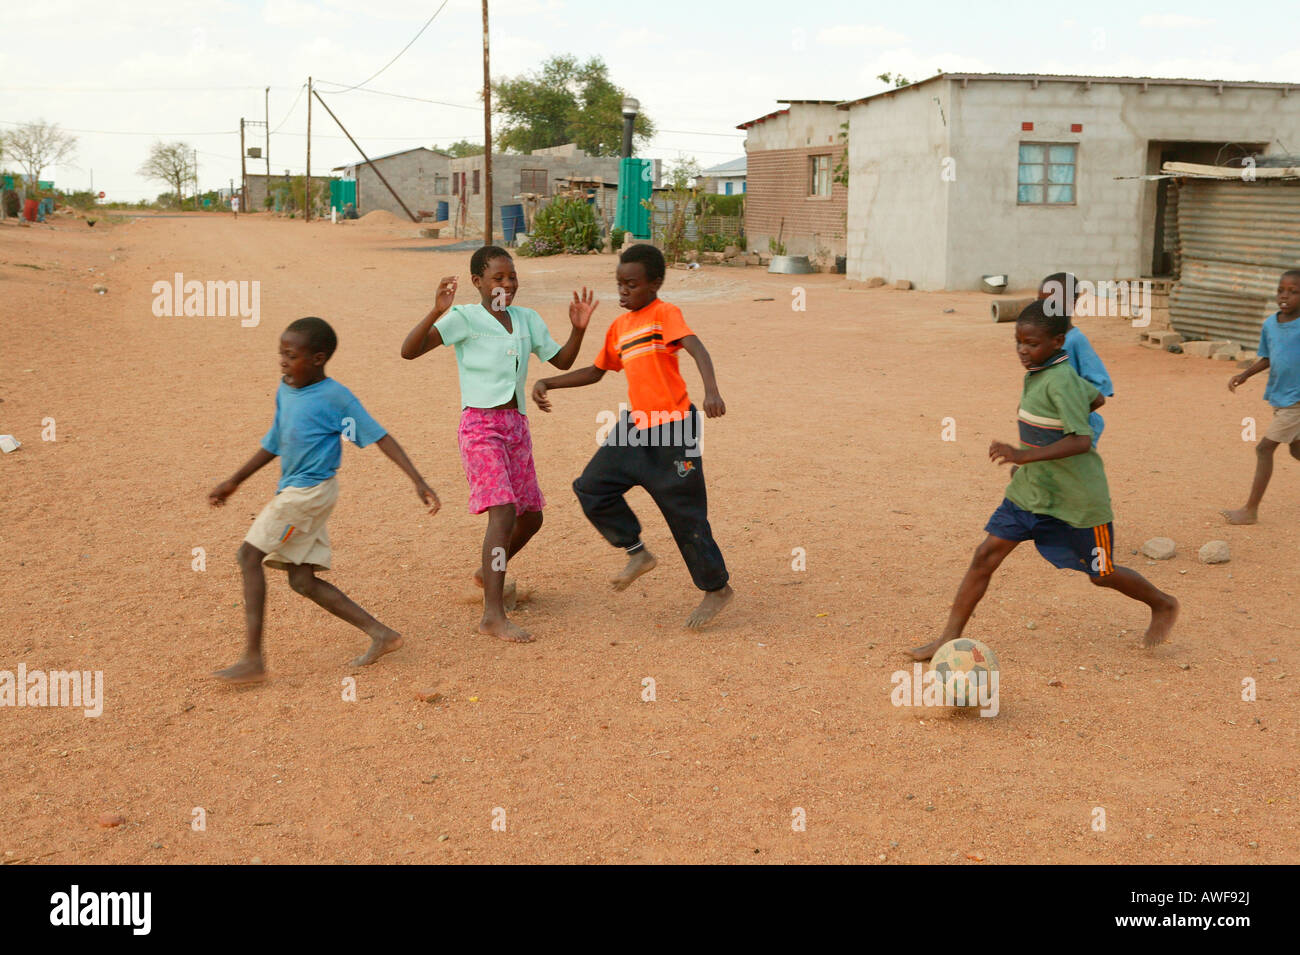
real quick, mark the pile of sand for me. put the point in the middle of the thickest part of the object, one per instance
(381, 218)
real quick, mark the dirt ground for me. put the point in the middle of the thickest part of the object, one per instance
(831, 443)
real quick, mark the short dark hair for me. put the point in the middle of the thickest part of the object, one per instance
(1289, 274)
(317, 333)
(478, 262)
(1034, 314)
(650, 259)
(1069, 291)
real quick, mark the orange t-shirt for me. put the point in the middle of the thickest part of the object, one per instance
(645, 344)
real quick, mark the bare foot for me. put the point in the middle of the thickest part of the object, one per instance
(921, 654)
(1240, 516)
(642, 562)
(504, 630)
(246, 670)
(510, 595)
(1162, 622)
(709, 607)
(386, 642)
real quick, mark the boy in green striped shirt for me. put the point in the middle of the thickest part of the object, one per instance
(1058, 496)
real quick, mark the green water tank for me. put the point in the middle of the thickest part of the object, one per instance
(635, 186)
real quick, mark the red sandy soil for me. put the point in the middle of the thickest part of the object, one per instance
(831, 443)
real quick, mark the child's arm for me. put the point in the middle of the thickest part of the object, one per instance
(217, 496)
(574, 379)
(424, 337)
(580, 310)
(1097, 402)
(1254, 369)
(714, 407)
(388, 444)
(1067, 447)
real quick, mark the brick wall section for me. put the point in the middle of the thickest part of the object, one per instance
(777, 184)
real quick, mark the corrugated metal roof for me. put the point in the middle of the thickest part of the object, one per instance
(1236, 239)
(732, 167)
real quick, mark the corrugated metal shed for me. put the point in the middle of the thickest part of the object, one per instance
(1236, 238)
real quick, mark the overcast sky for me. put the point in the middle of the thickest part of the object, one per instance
(119, 75)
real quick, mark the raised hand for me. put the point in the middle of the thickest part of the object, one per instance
(580, 309)
(446, 293)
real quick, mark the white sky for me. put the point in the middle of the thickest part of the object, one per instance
(119, 75)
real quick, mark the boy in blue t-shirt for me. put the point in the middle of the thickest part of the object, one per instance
(1279, 352)
(312, 411)
(1060, 291)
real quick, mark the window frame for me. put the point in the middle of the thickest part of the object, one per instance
(1044, 183)
(533, 175)
(813, 175)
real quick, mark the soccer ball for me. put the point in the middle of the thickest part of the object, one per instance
(962, 667)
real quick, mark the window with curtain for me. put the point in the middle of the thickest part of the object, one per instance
(1046, 174)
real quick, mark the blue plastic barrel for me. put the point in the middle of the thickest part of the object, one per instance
(512, 221)
(444, 210)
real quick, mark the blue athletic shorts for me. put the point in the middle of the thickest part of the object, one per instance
(1089, 549)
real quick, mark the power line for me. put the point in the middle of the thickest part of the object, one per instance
(400, 52)
(291, 109)
(123, 132)
(418, 99)
(132, 89)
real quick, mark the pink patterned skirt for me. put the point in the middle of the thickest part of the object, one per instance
(496, 448)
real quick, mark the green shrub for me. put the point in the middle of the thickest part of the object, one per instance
(616, 237)
(712, 204)
(776, 248)
(566, 225)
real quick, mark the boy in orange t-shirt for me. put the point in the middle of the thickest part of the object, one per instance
(655, 444)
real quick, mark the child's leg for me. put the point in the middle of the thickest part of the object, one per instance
(1263, 472)
(1164, 607)
(303, 580)
(496, 551)
(250, 668)
(988, 556)
(527, 525)
(677, 486)
(600, 489)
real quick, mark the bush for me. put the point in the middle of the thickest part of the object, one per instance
(566, 225)
(616, 237)
(539, 245)
(712, 204)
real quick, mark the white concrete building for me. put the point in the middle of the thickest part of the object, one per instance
(969, 174)
(725, 179)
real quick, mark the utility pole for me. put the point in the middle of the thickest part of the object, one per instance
(243, 169)
(487, 135)
(307, 190)
(268, 140)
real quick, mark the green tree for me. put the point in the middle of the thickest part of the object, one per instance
(566, 101)
(462, 147)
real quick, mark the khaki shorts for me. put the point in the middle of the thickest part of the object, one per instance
(291, 529)
(1285, 427)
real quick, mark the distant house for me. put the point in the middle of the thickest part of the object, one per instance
(725, 179)
(421, 176)
(790, 190)
(969, 174)
(515, 175)
(260, 186)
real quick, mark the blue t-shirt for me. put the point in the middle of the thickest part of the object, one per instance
(1087, 365)
(1279, 342)
(305, 432)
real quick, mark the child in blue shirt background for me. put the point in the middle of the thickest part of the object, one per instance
(1279, 352)
(1060, 290)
